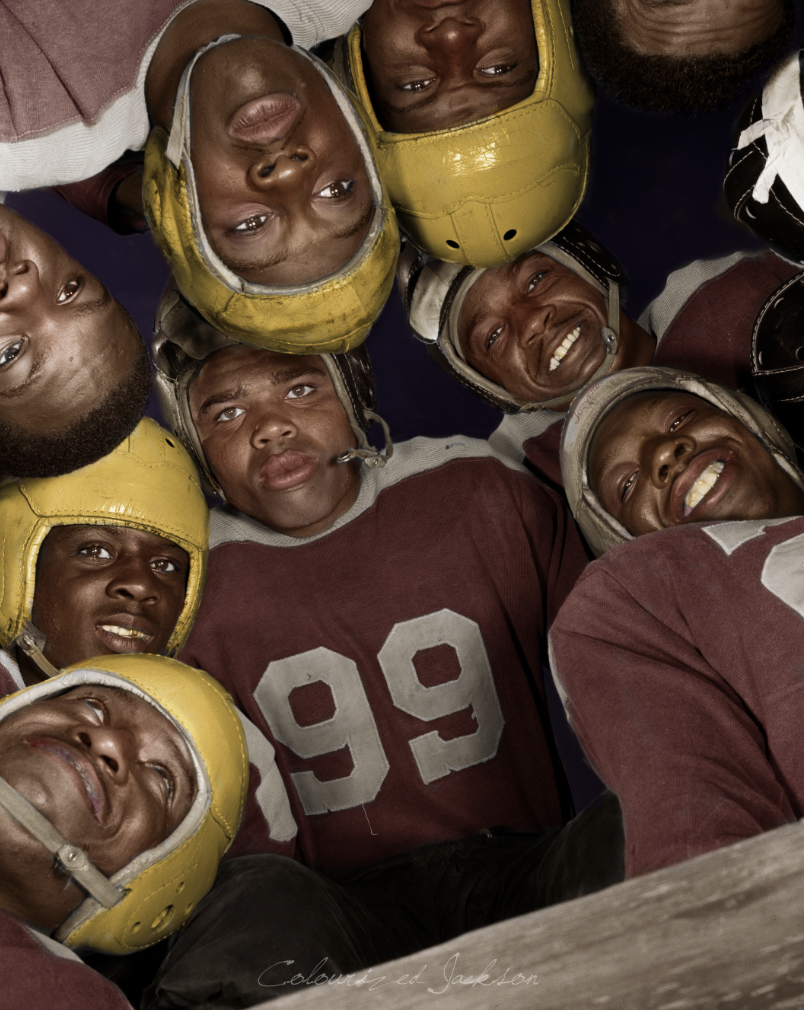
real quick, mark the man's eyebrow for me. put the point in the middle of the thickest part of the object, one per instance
(283, 375)
(89, 308)
(361, 223)
(227, 394)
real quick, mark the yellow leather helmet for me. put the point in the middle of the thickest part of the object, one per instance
(158, 889)
(329, 315)
(484, 192)
(148, 483)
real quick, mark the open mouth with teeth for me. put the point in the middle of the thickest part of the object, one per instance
(703, 485)
(561, 351)
(116, 629)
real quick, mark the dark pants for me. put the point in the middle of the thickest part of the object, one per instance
(269, 921)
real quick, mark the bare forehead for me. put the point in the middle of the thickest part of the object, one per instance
(239, 364)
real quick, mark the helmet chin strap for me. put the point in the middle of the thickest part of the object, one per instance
(70, 857)
(32, 642)
(366, 453)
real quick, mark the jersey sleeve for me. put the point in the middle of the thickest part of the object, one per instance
(315, 21)
(93, 196)
(35, 977)
(663, 729)
(535, 436)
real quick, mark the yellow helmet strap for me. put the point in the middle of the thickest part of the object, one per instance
(71, 858)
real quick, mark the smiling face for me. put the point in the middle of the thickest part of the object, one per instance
(533, 327)
(64, 341)
(660, 459)
(284, 194)
(271, 426)
(433, 64)
(105, 589)
(108, 770)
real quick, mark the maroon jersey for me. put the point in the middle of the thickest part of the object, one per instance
(703, 321)
(39, 973)
(10, 676)
(679, 655)
(393, 661)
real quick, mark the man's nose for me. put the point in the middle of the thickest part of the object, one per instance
(134, 579)
(452, 37)
(285, 169)
(273, 424)
(109, 746)
(669, 456)
(19, 284)
(530, 321)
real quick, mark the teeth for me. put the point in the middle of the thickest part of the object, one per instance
(561, 351)
(703, 485)
(115, 629)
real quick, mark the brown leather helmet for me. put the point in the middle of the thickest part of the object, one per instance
(777, 356)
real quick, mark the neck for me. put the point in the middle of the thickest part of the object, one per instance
(636, 347)
(191, 29)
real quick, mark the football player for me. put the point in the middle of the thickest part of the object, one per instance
(275, 210)
(122, 783)
(678, 656)
(380, 618)
(528, 336)
(650, 448)
(75, 376)
(482, 116)
(107, 559)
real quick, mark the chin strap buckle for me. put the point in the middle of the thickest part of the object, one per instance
(367, 454)
(32, 642)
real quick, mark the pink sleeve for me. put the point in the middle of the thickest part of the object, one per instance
(34, 978)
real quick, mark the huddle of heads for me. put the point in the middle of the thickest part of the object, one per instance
(134, 759)
(277, 192)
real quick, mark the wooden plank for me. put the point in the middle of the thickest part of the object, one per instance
(725, 930)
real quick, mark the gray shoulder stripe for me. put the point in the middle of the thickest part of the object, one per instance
(416, 456)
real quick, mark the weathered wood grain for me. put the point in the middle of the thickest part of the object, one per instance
(725, 930)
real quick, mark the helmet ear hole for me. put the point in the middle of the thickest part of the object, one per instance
(800, 353)
(511, 233)
(452, 244)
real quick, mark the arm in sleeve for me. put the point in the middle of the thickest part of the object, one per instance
(663, 730)
(34, 977)
(98, 196)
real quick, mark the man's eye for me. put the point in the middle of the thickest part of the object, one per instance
(96, 551)
(680, 420)
(534, 280)
(251, 224)
(416, 85)
(164, 565)
(97, 707)
(70, 290)
(492, 338)
(337, 190)
(495, 71)
(229, 414)
(299, 391)
(628, 483)
(11, 352)
(167, 779)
